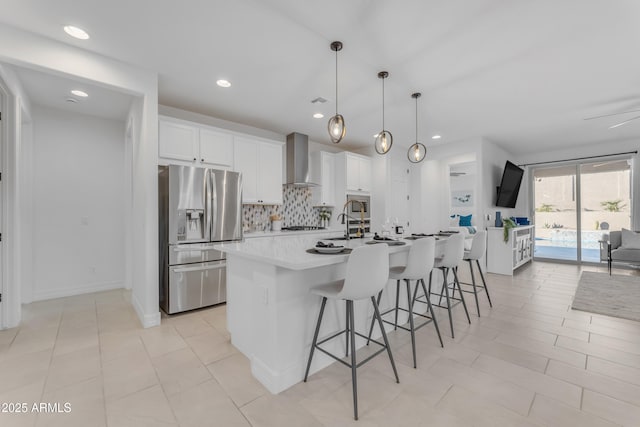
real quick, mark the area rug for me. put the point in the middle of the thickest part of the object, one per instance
(617, 296)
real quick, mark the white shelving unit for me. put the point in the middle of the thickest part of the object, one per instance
(504, 257)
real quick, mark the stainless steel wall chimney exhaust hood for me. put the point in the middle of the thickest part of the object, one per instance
(298, 160)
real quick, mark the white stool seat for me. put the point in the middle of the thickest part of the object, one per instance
(330, 290)
(478, 246)
(396, 272)
(367, 274)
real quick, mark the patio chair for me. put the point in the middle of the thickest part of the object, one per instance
(612, 249)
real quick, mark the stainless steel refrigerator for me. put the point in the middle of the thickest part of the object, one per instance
(198, 208)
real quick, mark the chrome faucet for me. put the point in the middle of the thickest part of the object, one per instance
(360, 232)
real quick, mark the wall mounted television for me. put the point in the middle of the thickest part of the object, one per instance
(509, 186)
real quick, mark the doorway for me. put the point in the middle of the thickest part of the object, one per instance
(576, 204)
(3, 141)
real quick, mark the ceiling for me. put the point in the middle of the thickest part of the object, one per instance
(51, 90)
(523, 74)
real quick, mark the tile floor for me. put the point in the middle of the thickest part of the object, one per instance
(528, 361)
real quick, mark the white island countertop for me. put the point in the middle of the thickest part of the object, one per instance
(291, 251)
(325, 232)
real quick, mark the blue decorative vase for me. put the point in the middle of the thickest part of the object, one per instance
(498, 219)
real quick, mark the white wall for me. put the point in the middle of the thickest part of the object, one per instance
(494, 158)
(78, 203)
(26, 213)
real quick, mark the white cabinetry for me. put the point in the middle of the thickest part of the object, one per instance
(504, 257)
(178, 141)
(260, 163)
(353, 172)
(216, 148)
(323, 173)
(195, 144)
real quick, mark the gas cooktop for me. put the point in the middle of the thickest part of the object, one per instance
(302, 228)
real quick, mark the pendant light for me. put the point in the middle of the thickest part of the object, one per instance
(336, 125)
(417, 152)
(384, 139)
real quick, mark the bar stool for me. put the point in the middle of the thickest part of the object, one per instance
(419, 264)
(367, 274)
(453, 253)
(477, 251)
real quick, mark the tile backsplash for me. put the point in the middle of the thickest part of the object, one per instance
(296, 209)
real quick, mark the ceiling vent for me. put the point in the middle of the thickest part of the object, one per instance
(319, 99)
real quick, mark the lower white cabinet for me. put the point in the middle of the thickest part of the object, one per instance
(504, 257)
(260, 163)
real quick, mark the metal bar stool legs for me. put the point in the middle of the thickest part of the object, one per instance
(430, 308)
(411, 326)
(444, 292)
(351, 342)
(412, 298)
(457, 282)
(354, 377)
(484, 283)
(384, 336)
(477, 288)
(315, 337)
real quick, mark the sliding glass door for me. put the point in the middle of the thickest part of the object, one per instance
(605, 195)
(575, 204)
(555, 218)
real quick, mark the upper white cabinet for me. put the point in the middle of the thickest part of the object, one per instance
(357, 171)
(323, 171)
(260, 163)
(196, 144)
(178, 141)
(216, 147)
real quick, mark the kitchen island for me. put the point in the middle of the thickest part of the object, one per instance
(271, 314)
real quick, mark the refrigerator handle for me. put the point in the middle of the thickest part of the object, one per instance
(213, 200)
(207, 204)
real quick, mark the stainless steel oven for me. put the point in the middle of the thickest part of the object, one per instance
(354, 208)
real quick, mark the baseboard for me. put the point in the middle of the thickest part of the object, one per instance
(79, 290)
(147, 320)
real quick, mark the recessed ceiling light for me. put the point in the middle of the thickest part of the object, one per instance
(436, 137)
(375, 135)
(79, 93)
(318, 115)
(223, 83)
(76, 32)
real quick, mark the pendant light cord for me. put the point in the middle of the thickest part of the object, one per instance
(383, 104)
(336, 82)
(416, 119)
